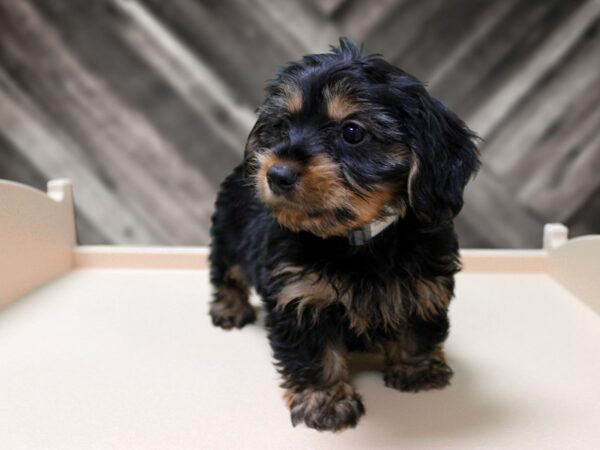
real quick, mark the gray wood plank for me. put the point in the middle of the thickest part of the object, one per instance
(15, 167)
(53, 155)
(226, 42)
(327, 7)
(498, 56)
(457, 42)
(552, 113)
(98, 33)
(570, 177)
(405, 22)
(493, 111)
(587, 219)
(491, 209)
(356, 18)
(448, 24)
(129, 151)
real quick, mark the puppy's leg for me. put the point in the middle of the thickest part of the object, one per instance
(312, 361)
(230, 307)
(415, 361)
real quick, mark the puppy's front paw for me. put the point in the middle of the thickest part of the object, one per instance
(228, 316)
(332, 409)
(430, 373)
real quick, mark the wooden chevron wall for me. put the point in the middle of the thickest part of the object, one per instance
(146, 104)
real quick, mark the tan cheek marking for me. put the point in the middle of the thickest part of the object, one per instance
(323, 226)
(321, 184)
(339, 107)
(370, 205)
(321, 188)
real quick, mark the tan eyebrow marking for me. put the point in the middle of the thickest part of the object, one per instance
(292, 97)
(339, 103)
(340, 107)
(294, 103)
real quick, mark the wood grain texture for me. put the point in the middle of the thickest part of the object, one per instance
(146, 104)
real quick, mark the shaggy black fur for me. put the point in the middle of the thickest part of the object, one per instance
(324, 296)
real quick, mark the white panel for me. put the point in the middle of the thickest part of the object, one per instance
(37, 235)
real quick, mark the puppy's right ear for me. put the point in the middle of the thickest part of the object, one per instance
(250, 151)
(445, 158)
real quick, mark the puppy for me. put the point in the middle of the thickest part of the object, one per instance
(340, 217)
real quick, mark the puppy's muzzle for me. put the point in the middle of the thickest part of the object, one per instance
(282, 178)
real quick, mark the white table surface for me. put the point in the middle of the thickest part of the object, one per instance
(128, 359)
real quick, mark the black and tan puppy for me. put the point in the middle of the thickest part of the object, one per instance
(341, 217)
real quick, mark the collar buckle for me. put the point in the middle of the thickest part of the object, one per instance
(364, 234)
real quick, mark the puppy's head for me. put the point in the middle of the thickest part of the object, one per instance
(344, 139)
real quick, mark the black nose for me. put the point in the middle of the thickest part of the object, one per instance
(281, 178)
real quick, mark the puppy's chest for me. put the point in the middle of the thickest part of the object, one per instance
(369, 304)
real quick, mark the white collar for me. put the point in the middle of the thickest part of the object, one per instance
(362, 235)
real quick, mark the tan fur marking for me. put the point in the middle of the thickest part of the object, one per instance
(229, 299)
(391, 306)
(312, 290)
(370, 205)
(231, 302)
(286, 270)
(294, 103)
(288, 397)
(339, 103)
(433, 296)
(340, 106)
(312, 397)
(236, 274)
(230, 306)
(358, 323)
(427, 298)
(335, 368)
(309, 291)
(292, 97)
(230, 296)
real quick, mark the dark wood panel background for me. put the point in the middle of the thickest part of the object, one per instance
(146, 104)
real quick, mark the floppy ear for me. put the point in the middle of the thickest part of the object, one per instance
(444, 158)
(252, 145)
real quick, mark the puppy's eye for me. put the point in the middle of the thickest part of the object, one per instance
(353, 133)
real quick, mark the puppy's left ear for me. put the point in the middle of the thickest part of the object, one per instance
(249, 163)
(444, 159)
